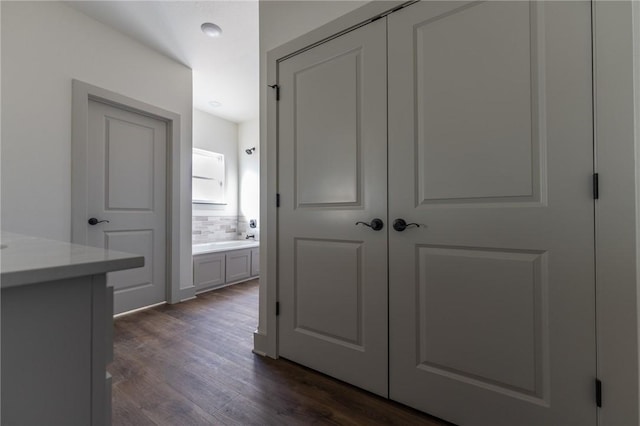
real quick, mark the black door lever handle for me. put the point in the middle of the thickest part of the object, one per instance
(400, 225)
(376, 224)
(94, 221)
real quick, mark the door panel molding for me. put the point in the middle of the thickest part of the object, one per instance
(522, 277)
(458, 86)
(139, 277)
(327, 125)
(141, 198)
(313, 280)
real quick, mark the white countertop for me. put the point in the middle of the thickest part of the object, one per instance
(27, 260)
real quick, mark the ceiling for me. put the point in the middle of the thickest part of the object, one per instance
(225, 69)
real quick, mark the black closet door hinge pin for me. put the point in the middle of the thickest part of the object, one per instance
(596, 187)
(277, 200)
(275, 86)
(277, 308)
(598, 393)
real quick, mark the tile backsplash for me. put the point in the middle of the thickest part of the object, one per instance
(206, 229)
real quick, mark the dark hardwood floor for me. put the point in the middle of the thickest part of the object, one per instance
(191, 364)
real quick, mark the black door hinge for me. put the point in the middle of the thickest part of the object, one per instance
(275, 86)
(596, 187)
(598, 393)
(277, 308)
(277, 200)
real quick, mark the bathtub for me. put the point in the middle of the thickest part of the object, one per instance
(224, 263)
(219, 246)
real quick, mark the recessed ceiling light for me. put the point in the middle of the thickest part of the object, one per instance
(210, 29)
(215, 104)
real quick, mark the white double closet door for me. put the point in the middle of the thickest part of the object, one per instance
(474, 121)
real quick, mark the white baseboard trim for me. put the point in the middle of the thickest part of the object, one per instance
(187, 293)
(133, 311)
(260, 343)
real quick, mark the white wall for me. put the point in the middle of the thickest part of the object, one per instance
(249, 173)
(218, 135)
(282, 21)
(44, 46)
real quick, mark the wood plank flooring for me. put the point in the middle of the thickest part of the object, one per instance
(191, 364)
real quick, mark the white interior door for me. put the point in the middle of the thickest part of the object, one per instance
(127, 187)
(332, 273)
(492, 307)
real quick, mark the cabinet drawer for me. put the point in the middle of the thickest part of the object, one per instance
(238, 265)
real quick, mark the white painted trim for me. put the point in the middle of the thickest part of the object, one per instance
(617, 138)
(260, 344)
(133, 311)
(186, 293)
(616, 214)
(342, 23)
(82, 93)
(636, 73)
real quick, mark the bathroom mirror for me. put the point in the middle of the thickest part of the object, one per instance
(208, 186)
